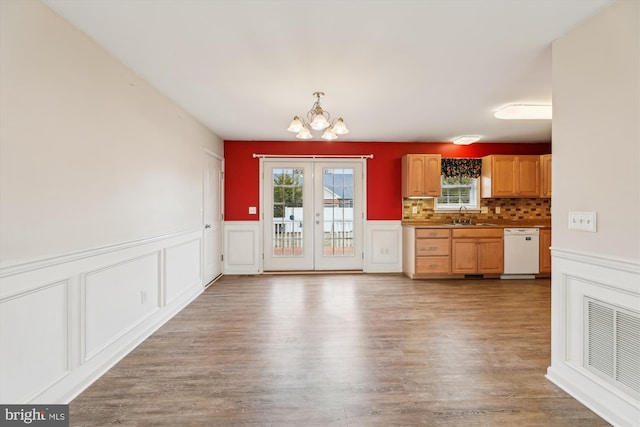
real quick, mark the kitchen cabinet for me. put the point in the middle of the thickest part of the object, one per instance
(421, 175)
(545, 252)
(432, 251)
(426, 252)
(510, 176)
(545, 176)
(477, 251)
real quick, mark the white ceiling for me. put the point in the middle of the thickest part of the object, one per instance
(395, 70)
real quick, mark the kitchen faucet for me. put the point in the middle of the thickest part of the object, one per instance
(460, 220)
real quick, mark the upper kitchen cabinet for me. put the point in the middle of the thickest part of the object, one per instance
(510, 176)
(545, 176)
(421, 175)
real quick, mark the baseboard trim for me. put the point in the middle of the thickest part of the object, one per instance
(611, 415)
(80, 379)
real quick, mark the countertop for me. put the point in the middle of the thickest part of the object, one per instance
(500, 224)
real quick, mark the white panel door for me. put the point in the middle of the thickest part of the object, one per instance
(313, 215)
(212, 217)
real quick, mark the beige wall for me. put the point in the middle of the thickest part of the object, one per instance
(91, 155)
(596, 132)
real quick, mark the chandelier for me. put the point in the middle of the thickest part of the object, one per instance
(318, 119)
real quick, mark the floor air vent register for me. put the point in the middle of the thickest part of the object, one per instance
(612, 345)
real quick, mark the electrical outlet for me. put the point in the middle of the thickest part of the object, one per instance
(582, 221)
(414, 209)
(252, 210)
(497, 209)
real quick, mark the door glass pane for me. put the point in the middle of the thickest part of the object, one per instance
(287, 212)
(338, 212)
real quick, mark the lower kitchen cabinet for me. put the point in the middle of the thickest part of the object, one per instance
(477, 251)
(426, 252)
(545, 252)
(465, 256)
(490, 256)
(432, 251)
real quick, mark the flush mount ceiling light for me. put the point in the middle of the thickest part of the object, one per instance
(466, 139)
(318, 119)
(524, 112)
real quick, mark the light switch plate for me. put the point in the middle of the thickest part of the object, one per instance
(252, 210)
(582, 221)
(484, 209)
(414, 209)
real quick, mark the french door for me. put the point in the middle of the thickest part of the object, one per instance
(313, 214)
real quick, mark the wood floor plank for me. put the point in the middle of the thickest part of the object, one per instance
(343, 350)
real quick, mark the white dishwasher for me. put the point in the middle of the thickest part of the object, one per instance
(521, 253)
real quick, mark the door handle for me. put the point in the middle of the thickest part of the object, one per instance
(207, 226)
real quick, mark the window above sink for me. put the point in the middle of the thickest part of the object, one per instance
(458, 192)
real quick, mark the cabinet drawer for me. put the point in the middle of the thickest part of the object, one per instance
(432, 233)
(430, 247)
(477, 232)
(432, 264)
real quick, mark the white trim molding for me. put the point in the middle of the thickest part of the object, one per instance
(383, 247)
(576, 278)
(88, 310)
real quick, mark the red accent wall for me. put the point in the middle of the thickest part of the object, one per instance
(384, 199)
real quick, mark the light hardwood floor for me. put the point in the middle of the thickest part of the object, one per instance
(343, 350)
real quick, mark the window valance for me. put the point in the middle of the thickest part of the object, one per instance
(466, 168)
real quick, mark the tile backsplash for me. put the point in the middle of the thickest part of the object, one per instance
(515, 209)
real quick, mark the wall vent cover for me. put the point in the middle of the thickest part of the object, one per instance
(612, 345)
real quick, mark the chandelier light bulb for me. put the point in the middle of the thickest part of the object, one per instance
(339, 128)
(305, 133)
(329, 134)
(319, 122)
(296, 125)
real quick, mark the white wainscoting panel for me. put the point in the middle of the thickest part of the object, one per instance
(242, 247)
(34, 324)
(117, 298)
(183, 268)
(576, 276)
(67, 319)
(383, 247)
